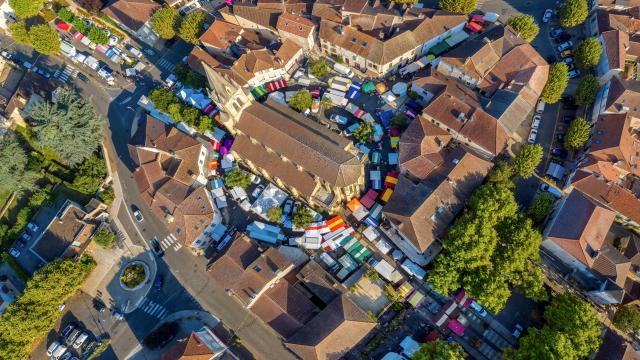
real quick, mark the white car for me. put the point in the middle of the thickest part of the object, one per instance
(32, 227)
(482, 312)
(80, 340)
(547, 15)
(517, 331)
(574, 74)
(138, 216)
(298, 74)
(52, 348)
(257, 191)
(14, 252)
(255, 179)
(532, 136)
(338, 119)
(536, 122)
(551, 190)
(564, 46)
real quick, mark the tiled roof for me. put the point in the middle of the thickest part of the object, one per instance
(615, 347)
(188, 349)
(317, 150)
(609, 194)
(612, 264)
(287, 51)
(616, 43)
(623, 96)
(580, 227)
(61, 232)
(221, 34)
(422, 211)
(131, 13)
(421, 148)
(319, 282)
(265, 17)
(333, 332)
(198, 56)
(295, 24)
(614, 141)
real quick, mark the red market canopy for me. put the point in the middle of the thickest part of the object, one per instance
(276, 85)
(63, 26)
(478, 19)
(456, 327)
(474, 27)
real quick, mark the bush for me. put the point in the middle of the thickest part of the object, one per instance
(399, 121)
(525, 26)
(339, 59)
(98, 36)
(80, 26)
(302, 218)
(107, 196)
(301, 100)
(556, 83)
(44, 39)
(191, 27)
(105, 237)
(65, 14)
(573, 12)
(89, 175)
(133, 275)
(627, 318)
(162, 98)
(165, 22)
(587, 90)
(541, 206)
(458, 6)
(189, 77)
(237, 177)
(275, 214)
(588, 53)
(161, 335)
(319, 68)
(175, 110)
(25, 9)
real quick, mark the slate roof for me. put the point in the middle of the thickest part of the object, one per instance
(616, 43)
(131, 13)
(262, 16)
(60, 232)
(319, 282)
(614, 347)
(623, 96)
(612, 264)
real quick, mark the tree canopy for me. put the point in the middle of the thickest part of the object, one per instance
(165, 22)
(439, 350)
(237, 177)
(627, 318)
(191, 27)
(525, 26)
(89, 175)
(363, 132)
(541, 206)
(33, 314)
(573, 12)
(489, 248)
(556, 83)
(587, 90)
(189, 77)
(588, 53)
(44, 39)
(80, 26)
(26, 8)
(98, 36)
(302, 218)
(68, 124)
(301, 100)
(19, 32)
(14, 175)
(65, 14)
(543, 344)
(458, 6)
(319, 68)
(105, 237)
(577, 134)
(527, 159)
(275, 214)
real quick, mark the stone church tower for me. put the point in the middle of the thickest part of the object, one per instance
(230, 97)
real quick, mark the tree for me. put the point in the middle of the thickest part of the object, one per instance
(19, 32)
(204, 124)
(502, 173)
(105, 237)
(543, 344)
(68, 124)
(525, 26)
(573, 12)
(399, 121)
(189, 77)
(44, 39)
(33, 314)
(588, 53)
(191, 116)
(587, 90)
(66, 15)
(302, 218)
(176, 110)
(89, 175)
(98, 36)
(627, 318)
(107, 196)
(363, 132)
(319, 68)
(191, 27)
(162, 98)
(458, 6)
(556, 83)
(275, 214)
(326, 103)
(26, 8)
(577, 134)
(541, 206)
(439, 350)
(527, 159)
(165, 22)
(570, 315)
(14, 175)
(80, 26)
(301, 100)
(237, 177)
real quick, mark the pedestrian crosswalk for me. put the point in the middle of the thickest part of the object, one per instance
(170, 242)
(154, 309)
(68, 72)
(165, 64)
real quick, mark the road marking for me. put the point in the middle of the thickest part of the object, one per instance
(166, 243)
(162, 313)
(151, 310)
(173, 237)
(177, 247)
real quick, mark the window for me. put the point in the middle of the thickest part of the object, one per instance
(364, 43)
(600, 132)
(353, 40)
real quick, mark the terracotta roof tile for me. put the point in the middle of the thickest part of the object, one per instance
(131, 13)
(221, 34)
(295, 24)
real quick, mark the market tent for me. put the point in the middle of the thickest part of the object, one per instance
(474, 27)
(353, 94)
(399, 88)
(315, 93)
(391, 180)
(393, 158)
(381, 88)
(457, 38)
(369, 198)
(478, 18)
(259, 91)
(439, 48)
(276, 85)
(385, 117)
(386, 194)
(394, 141)
(369, 87)
(78, 35)
(63, 26)
(358, 210)
(491, 17)
(456, 327)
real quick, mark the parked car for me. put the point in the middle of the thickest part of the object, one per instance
(555, 32)
(43, 73)
(532, 136)
(562, 38)
(14, 252)
(257, 191)
(551, 190)
(288, 206)
(547, 15)
(255, 179)
(574, 74)
(517, 331)
(99, 305)
(155, 245)
(52, 348)
(137, 214)
(560, 137)
(338, 119)
(7, 55)
(27, 65)
(566, 53)
(82, 77)
(561, 153)
(482, 312)
(67, 330)
(25, 236)
(564, 46)
(567, 119)
(158, 282)
(80, 340)
(72, 337)
(536, 122)
(568, 60)
(32, 227)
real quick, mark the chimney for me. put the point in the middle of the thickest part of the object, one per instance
(381, 35)
(340, 30)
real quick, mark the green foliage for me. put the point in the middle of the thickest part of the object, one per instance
(191, 27)
(66, 15)
(489, 249)
(98, 36)
(69, 125)
(556, 83)
(587, 54)
(133, 275)
(627, 318)
(326, 103)
(175, 110)
(46, 15)
(99, 349)
(302, 218)
(191, 116)
(525, 26)
(237, 177)
(15, 266)
(79, 25)
(33, 315)
(439, 350)
(527, 159)
(319, 68)
(412, 95)
(541, 206)
(587, 90)
(105, 237)
(205, 124)
(458, 6)
(165, 22)
(543, 344)
(166, 102)
(577, 134)
(363, 132)
(26, 8)
(89, 175)
(189, 77)
(502, 173)
(107, 196)
(275, 214)
(301, 100)
(19, 32)
(44, 39)
(573, 12)
(14, 175)
(162, 98)
(399, 121)
(339, 59)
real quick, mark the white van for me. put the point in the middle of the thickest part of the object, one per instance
(540, 107)
(344, 70)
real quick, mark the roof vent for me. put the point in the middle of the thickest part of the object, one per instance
(455, 161)
(461, 117)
